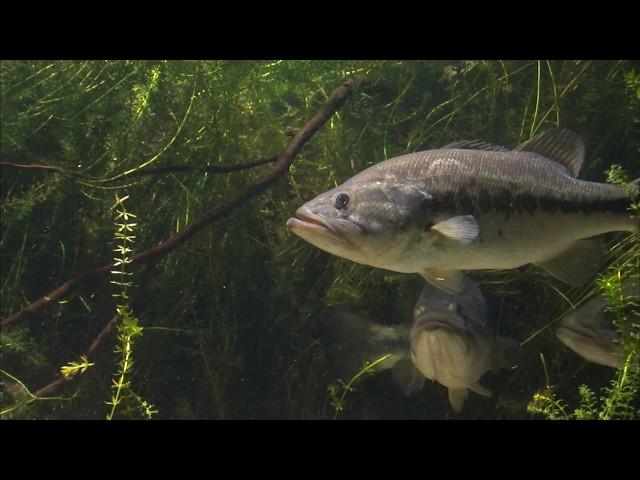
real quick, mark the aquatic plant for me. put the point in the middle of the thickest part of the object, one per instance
(244, 288)
(129, 327)
(338, 391)
(21, 395)
(73, 368)
(615, 402)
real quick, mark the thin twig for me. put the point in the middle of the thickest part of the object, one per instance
(215, 168)
(34, 166)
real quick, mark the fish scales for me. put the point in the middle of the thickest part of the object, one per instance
(443, 211)
(498, 181)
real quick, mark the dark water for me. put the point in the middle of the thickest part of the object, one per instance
(232, 317)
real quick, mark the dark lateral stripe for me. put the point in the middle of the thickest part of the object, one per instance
(506, 202)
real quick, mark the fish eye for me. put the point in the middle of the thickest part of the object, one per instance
(458, 310)
(341, 201)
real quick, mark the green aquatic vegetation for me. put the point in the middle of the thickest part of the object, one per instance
(617, 175)
(20, 395)
(246, 287)
(128, 328)
(73, 368)
(17, 342)
(615, 402)
(545, 403)
(338, 391)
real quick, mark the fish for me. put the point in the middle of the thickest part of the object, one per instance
(453, 342)
(589, 331)
(450, 341)
(471, 205)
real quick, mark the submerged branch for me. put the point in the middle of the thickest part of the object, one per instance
(214, 168)
(282, 162)
(53, 296)
(104, 333)
(34, 166)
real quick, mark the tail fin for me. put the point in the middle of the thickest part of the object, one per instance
(352, 340)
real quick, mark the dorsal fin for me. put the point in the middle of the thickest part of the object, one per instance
(475, 145)
(559, 144)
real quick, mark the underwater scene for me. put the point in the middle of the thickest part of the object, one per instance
(311, 239)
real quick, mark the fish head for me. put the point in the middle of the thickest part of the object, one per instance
(588, 332)
(469, 303)
(451, 340)
(446, 328)
(365, 220)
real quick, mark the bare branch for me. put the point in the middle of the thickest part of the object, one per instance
(210, 167)
(215, 168)
(34, 166)
(104, 333)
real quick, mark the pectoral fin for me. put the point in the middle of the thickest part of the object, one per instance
(407, 376)
(463, 229)
(457, 396)
(449, 281)
(576, 264)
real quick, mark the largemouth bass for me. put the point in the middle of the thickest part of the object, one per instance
(471, 206)
(589, 330)
(452, 341)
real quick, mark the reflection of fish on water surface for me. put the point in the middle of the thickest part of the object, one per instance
(450, 341)
(589, 331)
(470, 206)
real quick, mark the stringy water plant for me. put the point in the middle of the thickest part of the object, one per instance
(619, 400)
(128, 329)
(339, 391)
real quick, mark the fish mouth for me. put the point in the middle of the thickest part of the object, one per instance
(306, 217)
(308, 224)
(432, 325)
(440, 321)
